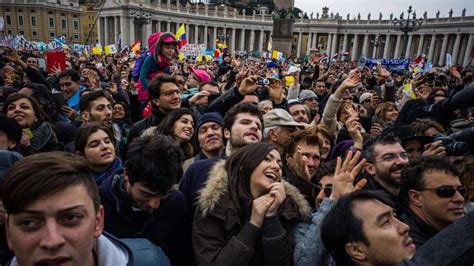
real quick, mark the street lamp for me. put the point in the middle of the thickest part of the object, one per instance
(407, 25)
(377, 42)
(140, 18)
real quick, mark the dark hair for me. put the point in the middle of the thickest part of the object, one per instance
(422, 125)
(83, 133)
(211, 83)
(154, 87)
(156, 161)
(326, 169)
(75, 76)
(39, 112)
(383, 139)
(300, 136)
(166, 128)
(341, 226)
(240, 108)
(240, 165)
(45, 174)
(413, 176)
(88, 98)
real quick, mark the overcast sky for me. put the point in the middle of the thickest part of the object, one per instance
(386, 7)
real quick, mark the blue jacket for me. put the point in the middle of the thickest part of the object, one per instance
(166, 226)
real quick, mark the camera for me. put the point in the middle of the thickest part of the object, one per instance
(453, 147)
(263, 81)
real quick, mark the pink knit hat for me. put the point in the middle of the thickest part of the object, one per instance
(201, 75)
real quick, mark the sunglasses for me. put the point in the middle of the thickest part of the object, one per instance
(327, 191)
(447, 192)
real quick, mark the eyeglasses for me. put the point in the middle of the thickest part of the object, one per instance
(447, 192)
(171, 92)
(390, 157)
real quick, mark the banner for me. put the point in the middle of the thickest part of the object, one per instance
(110, 49)
(390, 64)
(193, 49)
(7, 41)
(21, 42)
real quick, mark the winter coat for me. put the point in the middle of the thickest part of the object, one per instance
(165, 227)
(419, 231)
(150, 121)
(221, 238)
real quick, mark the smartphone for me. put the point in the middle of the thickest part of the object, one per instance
(59, 100)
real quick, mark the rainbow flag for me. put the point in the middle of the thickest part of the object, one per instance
(181, 35)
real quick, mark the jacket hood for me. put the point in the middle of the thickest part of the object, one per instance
(218, 184)
(156, 40)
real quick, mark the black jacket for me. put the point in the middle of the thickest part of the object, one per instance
(147, 122)
(420, 231)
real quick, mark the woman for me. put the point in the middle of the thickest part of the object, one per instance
(245, 212)
(97, 144)
(386, 112)
(121, 116)
(38, 133)
(178, 124)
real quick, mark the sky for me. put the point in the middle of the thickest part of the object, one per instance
(386, 7)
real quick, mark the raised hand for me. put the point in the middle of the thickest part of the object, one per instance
(383, 72)
(200, 98)
(346, 171)
(248, 85)
(278, 193)
(259, 209)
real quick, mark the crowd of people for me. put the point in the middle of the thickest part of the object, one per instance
(146, 159)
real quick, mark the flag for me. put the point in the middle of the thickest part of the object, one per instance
(217, 53)
(181, 35)
(110, 49)
(269, 46)
(277, 55)
(135, 48)
(119, 41)
(97, 50)
(221, 45)
(181, 56)
(334, 56)
(323, 59)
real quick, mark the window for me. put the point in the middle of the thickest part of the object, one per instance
(8, 20)
(50, 12)
(20, 10)
(22, 32)
(33, 21)
(76, 25)
(32, 11)
(20, 21)
(51, 22)
(76, 36)
(7, 9)
(63, 24)
(74, 16)
(34, 33)
(51, 34)
(9, 32)
(62, 15)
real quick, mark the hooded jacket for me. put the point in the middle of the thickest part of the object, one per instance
(221, 238)
(154, 64)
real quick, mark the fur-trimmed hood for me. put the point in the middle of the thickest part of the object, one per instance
(218, 184)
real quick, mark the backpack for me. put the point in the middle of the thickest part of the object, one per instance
(138, 66)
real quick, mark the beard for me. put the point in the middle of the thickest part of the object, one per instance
(387, 176)
(237, 142)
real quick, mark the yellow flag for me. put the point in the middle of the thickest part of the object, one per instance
(97, 50)
(110, 49)
(269, 47)
(408, 90)
(221, 45)
(181, 56)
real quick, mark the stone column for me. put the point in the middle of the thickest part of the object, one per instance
(158, 26)
(298, 48)
(205, 35)
(444, 46)
(432, 46)
(188, 33)
(196, 34)
(310, 40)
(252, 41)
(345, 43)
(168, 26)
(455, 54)
(397, 46)
(365, 46)
(334, 45)
(386, 49)
(467, 54)
(408, 50)
(106, 31)
(328, 45)
(242, 40)
(419, 51)
(117, 29)
(315, 40)
(232, 40)
(148, 32)
(354, 47)
(260, 41)
(125, 29)
(214, 37)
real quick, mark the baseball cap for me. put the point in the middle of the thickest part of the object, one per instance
(201, 75)
(280, 117)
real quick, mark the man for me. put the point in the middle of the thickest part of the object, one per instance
(385, 160)
(96, 107)
(69, 81)
(416, 145)
(197, 77)
(434, 195)
(242, 126)
(319, 87)
(278, 127)
(165, 97)
(298, 111)
(54, 214)
(32, 62)
(325, 175)
(142, 203)
(209, 131)
(363, 229)
(302, 158)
